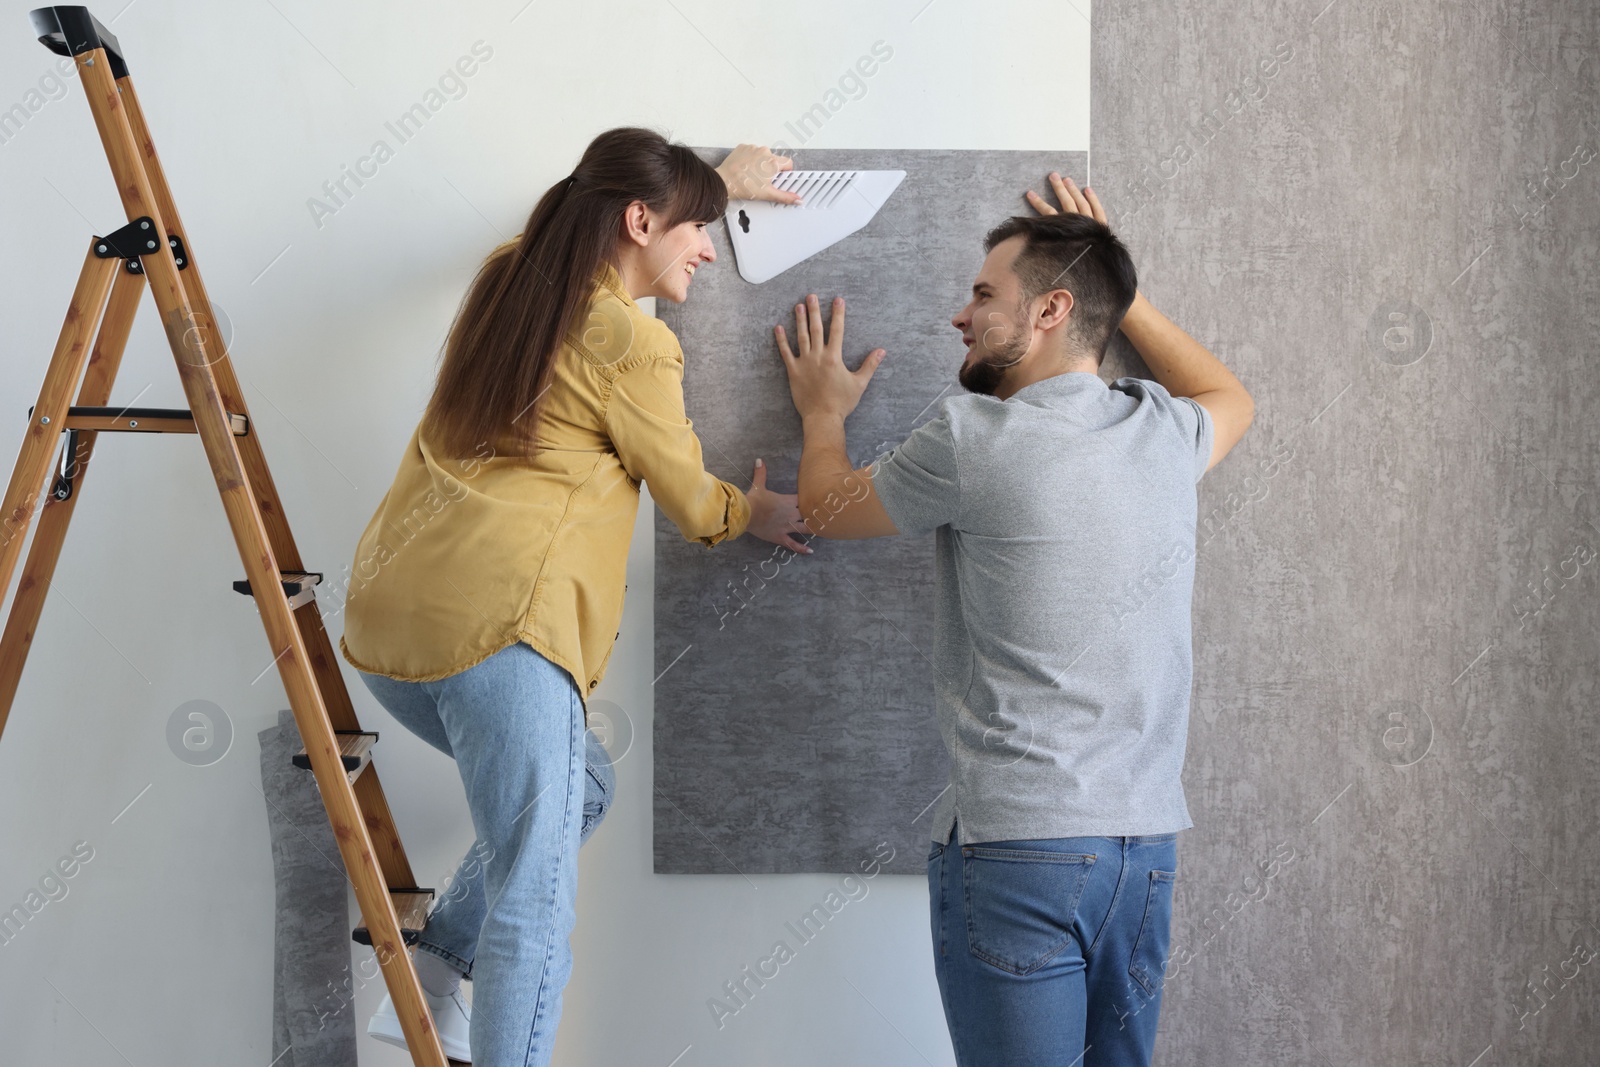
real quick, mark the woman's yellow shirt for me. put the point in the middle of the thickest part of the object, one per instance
(466, 556)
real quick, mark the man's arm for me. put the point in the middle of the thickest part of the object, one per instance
(1181, 364)
(1186, 368)
(837, 501)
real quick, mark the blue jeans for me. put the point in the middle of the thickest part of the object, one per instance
(1052, 951)
(537, 785)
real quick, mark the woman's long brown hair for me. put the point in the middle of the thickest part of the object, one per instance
(530, 292)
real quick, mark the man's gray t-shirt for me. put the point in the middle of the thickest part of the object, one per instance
(1064, 562)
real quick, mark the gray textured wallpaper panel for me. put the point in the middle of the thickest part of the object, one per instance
(1386, 220)
(794, 724)
(313, 1016)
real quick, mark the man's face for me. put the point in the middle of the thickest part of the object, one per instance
(996, 325)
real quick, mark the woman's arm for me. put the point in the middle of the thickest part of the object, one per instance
(657, 445)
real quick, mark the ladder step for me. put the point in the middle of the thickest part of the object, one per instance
(298, 586)
(411, 905)
(141, 420)
(355, 751)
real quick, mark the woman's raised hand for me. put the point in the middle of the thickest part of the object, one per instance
(748, 172)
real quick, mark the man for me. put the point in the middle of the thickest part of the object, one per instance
(1065, 519)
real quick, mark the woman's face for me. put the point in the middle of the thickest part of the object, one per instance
(669, 260)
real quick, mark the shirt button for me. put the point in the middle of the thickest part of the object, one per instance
(594, 683)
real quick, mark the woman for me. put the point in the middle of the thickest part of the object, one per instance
(487, 580)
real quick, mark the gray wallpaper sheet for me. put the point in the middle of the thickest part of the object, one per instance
(794, 726)
(313, 1013)
(1386, 220)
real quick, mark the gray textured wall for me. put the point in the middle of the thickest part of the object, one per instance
(1395, 615)
(1384, 219)
(794, 725)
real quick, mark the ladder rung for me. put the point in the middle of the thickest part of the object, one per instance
(141, 420)
(411, 905)
(355, 752)
(298, 586)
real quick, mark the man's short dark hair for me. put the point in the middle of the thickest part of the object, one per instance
(1078, 254)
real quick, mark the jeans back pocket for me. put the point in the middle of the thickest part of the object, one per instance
(1021, 903)
(1149, 957)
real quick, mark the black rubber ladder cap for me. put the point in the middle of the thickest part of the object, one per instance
(411, 906)
(298, 586)
(355, 752)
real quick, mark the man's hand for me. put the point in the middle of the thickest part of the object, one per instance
(748, 172)
(774, 517)
(819, 383)
(1077, 202)
(1073, 201)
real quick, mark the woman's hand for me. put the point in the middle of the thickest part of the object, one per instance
(748, 172)
(819, 381)
(1073, 201)
(774, 517)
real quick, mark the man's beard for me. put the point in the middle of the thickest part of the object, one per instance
(989, 371)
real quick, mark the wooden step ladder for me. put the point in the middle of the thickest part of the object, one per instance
(153, 247)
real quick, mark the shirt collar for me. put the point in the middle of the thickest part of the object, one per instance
(608, 277)
(1065, 382)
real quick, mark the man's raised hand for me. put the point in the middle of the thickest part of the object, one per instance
(818, 379)
(1073, 200)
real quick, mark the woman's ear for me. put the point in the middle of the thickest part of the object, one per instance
(636, 223)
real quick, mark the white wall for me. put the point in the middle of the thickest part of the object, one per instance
(162, 949)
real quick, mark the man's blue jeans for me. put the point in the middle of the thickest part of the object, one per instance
(537, 785)
(1052, 951)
